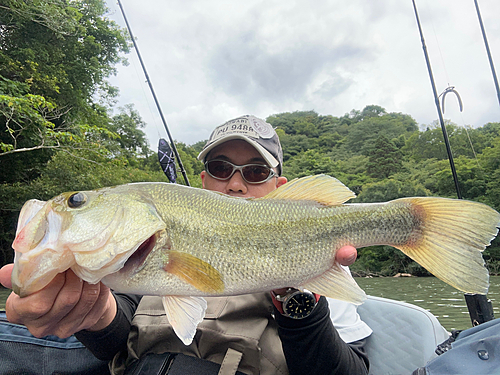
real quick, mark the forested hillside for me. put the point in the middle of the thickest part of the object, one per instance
(60, 131)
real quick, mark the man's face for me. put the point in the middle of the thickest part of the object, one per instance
(239, 152)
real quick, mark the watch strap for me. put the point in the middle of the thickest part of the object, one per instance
(276, 303)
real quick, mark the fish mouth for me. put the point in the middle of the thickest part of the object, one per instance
(136, 261)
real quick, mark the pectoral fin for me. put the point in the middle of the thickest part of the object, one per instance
(337, 283)
(184, 314)
(195, 271)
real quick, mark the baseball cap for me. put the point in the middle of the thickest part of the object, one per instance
(253, 130)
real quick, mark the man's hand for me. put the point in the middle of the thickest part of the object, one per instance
(65, 306)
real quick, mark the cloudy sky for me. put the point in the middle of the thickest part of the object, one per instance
(212, 60)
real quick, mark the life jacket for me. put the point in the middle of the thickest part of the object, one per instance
(237, 332)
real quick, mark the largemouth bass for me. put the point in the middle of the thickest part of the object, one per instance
(185, 243)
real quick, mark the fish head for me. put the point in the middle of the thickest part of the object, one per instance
(91, 232)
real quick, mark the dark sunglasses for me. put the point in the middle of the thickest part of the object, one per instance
(252, 173)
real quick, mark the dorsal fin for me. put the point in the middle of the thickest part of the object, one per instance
(320, 188)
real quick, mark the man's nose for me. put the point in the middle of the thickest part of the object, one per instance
(236, 183)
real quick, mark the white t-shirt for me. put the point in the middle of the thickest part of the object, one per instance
(346, 320)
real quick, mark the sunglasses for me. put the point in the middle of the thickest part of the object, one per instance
(252, 173)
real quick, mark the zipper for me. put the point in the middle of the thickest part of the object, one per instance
(167, 363)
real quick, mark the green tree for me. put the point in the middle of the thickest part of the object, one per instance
(62, 50)
(390, 189)
(131, 140)
(430, 143)
(372, 111)
(384, 159)
(362, 134)
(307, 163)
(490, 164)
(54, 60)
(471, 179)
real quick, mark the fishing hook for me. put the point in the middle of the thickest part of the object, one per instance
(446, 91)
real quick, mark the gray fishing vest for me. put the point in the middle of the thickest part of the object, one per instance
(238, 332)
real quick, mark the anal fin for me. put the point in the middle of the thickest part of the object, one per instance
(337, 283)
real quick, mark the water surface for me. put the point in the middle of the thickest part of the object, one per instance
(430, 293)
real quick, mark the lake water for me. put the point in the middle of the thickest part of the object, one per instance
(430, 293)
(445, 302)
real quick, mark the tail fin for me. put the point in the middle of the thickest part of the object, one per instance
(453, 235)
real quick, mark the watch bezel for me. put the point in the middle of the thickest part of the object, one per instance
(287, 311)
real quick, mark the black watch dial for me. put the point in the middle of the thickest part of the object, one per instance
(299, 305)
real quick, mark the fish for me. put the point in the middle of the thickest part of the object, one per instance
(184, 243)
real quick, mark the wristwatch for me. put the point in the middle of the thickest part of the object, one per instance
(294, 303)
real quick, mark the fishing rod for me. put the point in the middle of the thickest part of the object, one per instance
(479, 306)
(174, 149)
(488, 51)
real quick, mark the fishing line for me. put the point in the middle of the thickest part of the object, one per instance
(148, 101)
(450, 88)
(438, 45)
(443, 95)
(470, 142)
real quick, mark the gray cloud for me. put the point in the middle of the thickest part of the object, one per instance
(244, 67)
(211, 60)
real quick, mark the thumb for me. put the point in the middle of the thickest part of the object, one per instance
(5, 274)
(346, 255)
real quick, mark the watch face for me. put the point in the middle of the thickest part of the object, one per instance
(299, 305)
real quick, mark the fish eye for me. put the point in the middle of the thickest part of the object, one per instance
(76, 200)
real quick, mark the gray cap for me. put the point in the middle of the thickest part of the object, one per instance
(253, 130)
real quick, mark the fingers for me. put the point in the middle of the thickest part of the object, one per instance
(65, 306)
(35, 305)
(5, 274)
(91, 310)
(346, 255)
(106, 303)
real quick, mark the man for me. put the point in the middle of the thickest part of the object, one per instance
(243, 158)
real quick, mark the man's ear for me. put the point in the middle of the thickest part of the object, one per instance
(281, 181)
(203, 174)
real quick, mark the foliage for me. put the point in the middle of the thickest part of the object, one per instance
(62, 50)
(390, 189)
(54, 60)
(130, 141)
(384, 158)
